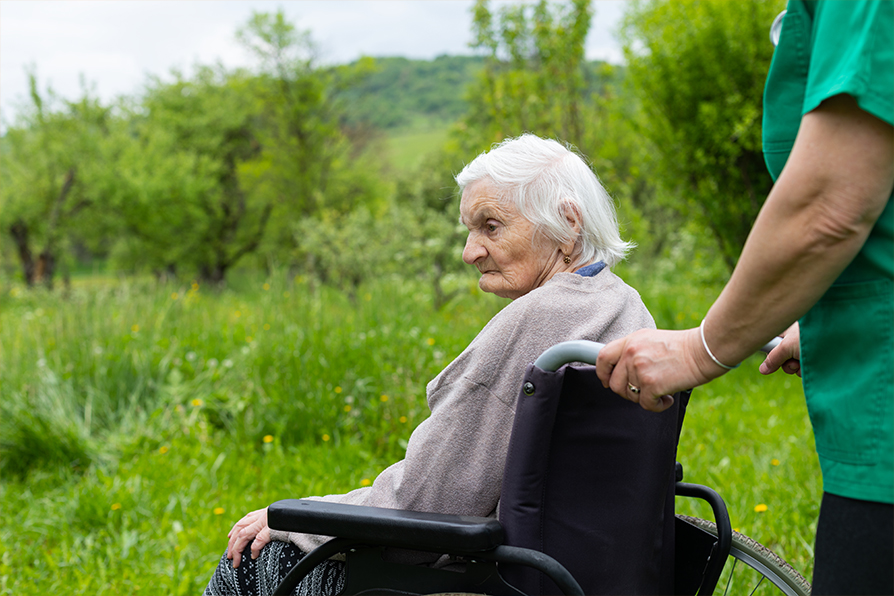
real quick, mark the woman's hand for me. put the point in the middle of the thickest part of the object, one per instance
(787, 355)
(252, 526)
(658, 363)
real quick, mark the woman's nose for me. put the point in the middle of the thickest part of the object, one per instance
(473, 251)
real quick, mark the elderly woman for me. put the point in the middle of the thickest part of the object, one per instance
(543, 233)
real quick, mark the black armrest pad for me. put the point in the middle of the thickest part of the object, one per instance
(416, 530)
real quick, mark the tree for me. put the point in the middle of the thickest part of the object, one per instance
(50, 155)
(175, 192)
(698, 69)
(534, 75)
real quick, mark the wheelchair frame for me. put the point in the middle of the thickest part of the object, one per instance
(361, 533)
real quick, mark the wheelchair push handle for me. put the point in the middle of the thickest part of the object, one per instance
(582, 350)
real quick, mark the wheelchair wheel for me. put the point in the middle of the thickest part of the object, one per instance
(752, 564)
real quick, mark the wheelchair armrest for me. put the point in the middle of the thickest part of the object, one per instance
(434, 532)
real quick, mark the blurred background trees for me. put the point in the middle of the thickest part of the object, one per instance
(346, 172)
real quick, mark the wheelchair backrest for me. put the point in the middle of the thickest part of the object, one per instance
(589, 480)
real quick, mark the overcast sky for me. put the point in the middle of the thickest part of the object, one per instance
(116, 44)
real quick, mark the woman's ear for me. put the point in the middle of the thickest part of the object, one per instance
(572, 215)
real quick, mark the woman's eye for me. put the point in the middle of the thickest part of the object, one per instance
(491, 227)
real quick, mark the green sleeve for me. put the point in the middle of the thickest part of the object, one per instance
(853, 53)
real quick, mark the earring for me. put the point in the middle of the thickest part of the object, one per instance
(567, 260)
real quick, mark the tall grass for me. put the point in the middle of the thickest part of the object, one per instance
(139, 421)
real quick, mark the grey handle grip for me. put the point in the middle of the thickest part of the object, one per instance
(581, 350)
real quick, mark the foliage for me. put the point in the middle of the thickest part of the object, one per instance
(175, 189)
(533, 79)
(50, 159)
(698, 68)
(191, 411)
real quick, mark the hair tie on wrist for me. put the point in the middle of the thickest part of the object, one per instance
(701, 329)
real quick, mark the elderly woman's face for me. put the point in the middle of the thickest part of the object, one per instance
(512, 257)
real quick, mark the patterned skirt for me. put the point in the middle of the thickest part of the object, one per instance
(260, 577)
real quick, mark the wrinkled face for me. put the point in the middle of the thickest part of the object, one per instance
(513, 259)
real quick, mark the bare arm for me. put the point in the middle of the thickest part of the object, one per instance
(835, 185)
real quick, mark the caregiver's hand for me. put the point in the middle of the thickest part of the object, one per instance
(649, 365)
(251, 527)
(787, 355)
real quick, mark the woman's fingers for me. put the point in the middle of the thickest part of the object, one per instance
(260, 541)
(647, 366)
(786, 355)
(243, 532)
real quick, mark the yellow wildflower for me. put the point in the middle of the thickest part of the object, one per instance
(116, 506)
(760, 508)
(325, 437)
(403, 419)
(383, 397)
(368, 297)
(774, 462)
(174, 295)
(134, 328)
(347, 408)
(248, 339)
(365, 482)
(430, 341)
(197, 402)
(338, 389)
(163, 449)
(266, 326)
(218, 510)
(266, 286)
(237, 313)
(268, 438)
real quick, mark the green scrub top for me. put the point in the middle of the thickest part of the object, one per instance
(826, 48)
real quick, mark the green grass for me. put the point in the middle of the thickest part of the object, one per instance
(140, 421)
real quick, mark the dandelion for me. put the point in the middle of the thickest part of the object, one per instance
(218, 511)
(325, 437)
(248, 339)
(266, 326)
(116, 506)
(268, 438)
(174, 295)
(134, 328)
(338, 389)
(430, 341)
(365, 482)
(774, 462)
(237, 313)
(227, 363)
(266, 287)
(195, 287)
(163, 449)
(383, 398)
(191, 356)
(197, 402)
(212, 362)
(735, 529)
(760, 508)
(347, 408)
(403, 419)
(368, 297)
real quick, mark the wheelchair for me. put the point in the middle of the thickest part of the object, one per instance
(586, 507)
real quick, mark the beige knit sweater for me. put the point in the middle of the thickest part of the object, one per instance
(455, 458)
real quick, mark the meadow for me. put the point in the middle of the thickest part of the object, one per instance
(139, 420)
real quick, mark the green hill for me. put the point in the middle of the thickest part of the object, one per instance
(412, 94)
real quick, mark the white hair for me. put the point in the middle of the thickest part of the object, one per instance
(543, 178)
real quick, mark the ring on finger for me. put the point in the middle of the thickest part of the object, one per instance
(633, 388)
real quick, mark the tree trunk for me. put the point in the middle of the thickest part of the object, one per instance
(19, 233)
